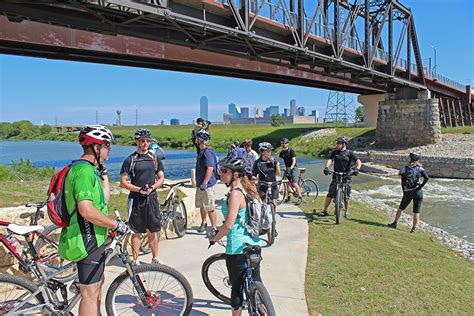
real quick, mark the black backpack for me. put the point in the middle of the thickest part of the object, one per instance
(411, 177)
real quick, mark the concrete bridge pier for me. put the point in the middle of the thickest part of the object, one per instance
(408, 118)
(371, 107)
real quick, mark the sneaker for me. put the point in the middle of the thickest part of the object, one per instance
(299, 201)
(157, 261)
(287, 200)
(392, 225)
(325, 213)
(347, 215)
(413, 230)
(202, 228)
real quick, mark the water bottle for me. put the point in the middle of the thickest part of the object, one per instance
(15, 243)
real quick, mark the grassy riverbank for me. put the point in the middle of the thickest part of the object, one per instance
(363, 267)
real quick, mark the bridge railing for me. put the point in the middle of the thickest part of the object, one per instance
(278, 13)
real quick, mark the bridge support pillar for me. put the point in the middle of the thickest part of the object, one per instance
(408, 118)
(371, 107)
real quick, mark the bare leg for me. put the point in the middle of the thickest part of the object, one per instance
(397, 216)
(135, 245)
(237, 312)
(203, 215)
(153, 240)
(212, 217)
(90, 299)
(416, 218)
(346, 206)
(327, 201)
(287, 187)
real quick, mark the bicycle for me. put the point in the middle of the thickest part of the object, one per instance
(148, 288)
(268, 199)
(173, 210)
(341, 192)
(309, 187)
(45, 246)
(215, 276)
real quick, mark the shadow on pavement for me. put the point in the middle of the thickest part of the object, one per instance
(208, 304)
(296, 215)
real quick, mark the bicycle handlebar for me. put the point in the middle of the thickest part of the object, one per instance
(37, 204)
(171, 185)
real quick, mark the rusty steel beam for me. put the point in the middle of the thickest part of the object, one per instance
(43, 40)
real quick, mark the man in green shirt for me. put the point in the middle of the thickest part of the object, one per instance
(86, 190)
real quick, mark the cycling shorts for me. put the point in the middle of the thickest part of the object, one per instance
(235, 268)
(262, 191)
(293, 175)
(333, 187)
(91, 269)
(416, 196)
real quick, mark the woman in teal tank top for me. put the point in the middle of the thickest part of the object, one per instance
(232, 172)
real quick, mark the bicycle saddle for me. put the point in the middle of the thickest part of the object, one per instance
(302, 170)
(24, 230)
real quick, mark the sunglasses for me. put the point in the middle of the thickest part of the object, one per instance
(224, 170)
(144, 140)
(284, 143)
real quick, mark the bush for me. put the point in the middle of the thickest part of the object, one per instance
(24, 170)
(6, 173)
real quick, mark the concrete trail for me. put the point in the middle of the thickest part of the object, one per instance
(283, 266)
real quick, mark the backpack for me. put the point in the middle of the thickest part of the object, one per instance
(412, 174)
(56, 204)
(260, 217)
(135, 159)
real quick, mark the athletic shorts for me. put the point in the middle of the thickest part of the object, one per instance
(294, 175)
(205, 199)
(416, 196)
(333, 187)
(91, 269)
(262, 191)
(235, 268)
(144, 213)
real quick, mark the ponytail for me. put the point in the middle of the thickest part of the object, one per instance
(250, 188)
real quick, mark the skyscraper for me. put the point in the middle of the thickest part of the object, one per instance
(301, 111)
(285, 112)
(244, 113)
(234, 111)
(293, 109)
(204, 108)
(258, 112)
(271, 110)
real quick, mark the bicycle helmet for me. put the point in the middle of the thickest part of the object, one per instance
(237, 143)
(153, 141)
(284, 140)
(341, 140)
(142, 132)
(265, 146)
(203, 136)
(233, 163)
(95, 134)
(415, 156)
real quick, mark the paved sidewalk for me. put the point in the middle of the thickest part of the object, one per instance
(283, 266)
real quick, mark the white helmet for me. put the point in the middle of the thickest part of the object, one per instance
(95, 134)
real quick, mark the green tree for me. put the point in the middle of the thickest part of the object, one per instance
(360, 114)
(45, 129)
(277, 120)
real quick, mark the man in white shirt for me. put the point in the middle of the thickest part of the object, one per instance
(249, 156)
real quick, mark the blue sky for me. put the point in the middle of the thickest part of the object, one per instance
(40, 89)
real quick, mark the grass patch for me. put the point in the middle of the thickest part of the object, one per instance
(458, 130)
(16, 192)
(362, 267)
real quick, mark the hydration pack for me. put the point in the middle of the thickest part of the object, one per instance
(259, 218)
(411, 177)
(56, 205)
(136, 158)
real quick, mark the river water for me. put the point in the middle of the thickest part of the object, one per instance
(448, 203)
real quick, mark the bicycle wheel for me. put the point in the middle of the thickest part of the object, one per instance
(309, 189)
(216, 278)
(46, 246)
(271, 234)
(168, 292)
(260, 301)
(338, 205)
(281, 193)
(14, 290)
(180, 220)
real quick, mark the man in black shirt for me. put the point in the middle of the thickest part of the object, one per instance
(146, 174)
(289, 157)
(344, 161)
(265, 169)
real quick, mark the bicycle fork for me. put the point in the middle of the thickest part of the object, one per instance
(136, 281)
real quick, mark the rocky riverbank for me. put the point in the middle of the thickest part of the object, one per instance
(459, 245)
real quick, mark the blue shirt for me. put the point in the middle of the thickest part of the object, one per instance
(238, 238)
(205, 159)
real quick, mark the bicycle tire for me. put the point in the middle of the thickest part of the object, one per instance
(271, 233)
(310, 190)
(47, 244)
(338, 206)
(282, 193)
(21, 283)
(217, 281)
(164, 276)
(180, 220)
(260, 301)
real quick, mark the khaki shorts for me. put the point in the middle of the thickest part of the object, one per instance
(205, 199)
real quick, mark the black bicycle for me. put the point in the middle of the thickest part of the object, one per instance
(341, 193)
(268, 199)
(214, 273)
(309, 187)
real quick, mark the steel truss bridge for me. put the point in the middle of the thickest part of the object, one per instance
(353, 46)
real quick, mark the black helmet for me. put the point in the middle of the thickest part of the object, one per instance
(142, 132)
(203, 135)
(341, 140)
(265, 146)
(284, 140)
(415, 156)
(233, 163)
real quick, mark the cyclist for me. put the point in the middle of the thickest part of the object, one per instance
(344, 161)
(201, 124)
(205, 181)
(232, 173)
(154, 146)
(412, 189)
(142, 173)
(250, 156)
(235, 150)
(265, 169)
(289, 157)
(87, 192)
